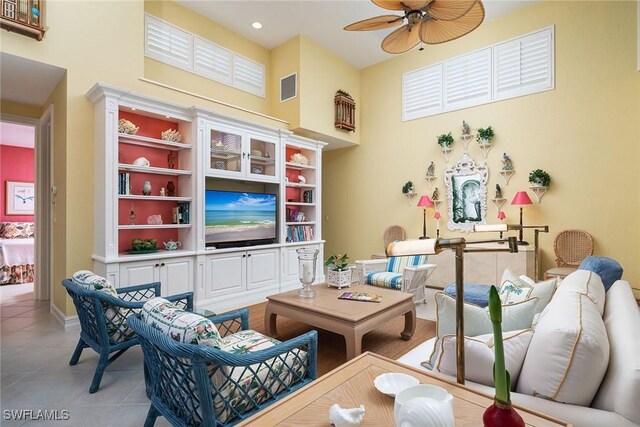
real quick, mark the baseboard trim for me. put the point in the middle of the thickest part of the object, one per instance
(70, 322)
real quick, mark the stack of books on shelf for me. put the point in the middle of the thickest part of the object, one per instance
(124, 183)
(299, 233)
(182, 213)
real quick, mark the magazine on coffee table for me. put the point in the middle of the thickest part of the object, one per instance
(361, 296)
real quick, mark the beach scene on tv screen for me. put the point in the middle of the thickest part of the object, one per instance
(233, 217)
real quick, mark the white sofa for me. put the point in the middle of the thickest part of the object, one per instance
(617, 401)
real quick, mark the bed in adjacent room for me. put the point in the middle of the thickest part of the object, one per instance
(17, 254)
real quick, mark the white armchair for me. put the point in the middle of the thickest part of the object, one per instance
(406, 274)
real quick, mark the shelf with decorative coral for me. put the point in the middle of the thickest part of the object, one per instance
(506, 175)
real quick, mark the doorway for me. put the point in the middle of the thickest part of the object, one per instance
(26, 87)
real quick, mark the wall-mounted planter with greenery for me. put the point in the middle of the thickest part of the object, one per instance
(445, 141)
(484, 137)
(540, 181)
(407, 190)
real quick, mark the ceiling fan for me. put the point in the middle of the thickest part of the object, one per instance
(427, 21)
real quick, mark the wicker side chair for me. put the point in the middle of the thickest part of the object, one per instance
(103, 320)
(570, 247)
(393, 233)
(195, 385)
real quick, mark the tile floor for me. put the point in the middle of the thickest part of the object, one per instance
(35, 372)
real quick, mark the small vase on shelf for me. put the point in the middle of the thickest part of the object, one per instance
(307, 259)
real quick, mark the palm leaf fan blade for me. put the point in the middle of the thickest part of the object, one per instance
(376, 23)
(434, 31)
(447, 10)
(402, 39)
(389, 4)
(416, 4)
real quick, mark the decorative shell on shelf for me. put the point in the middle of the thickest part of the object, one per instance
(345, 417)
(142, 161)
(393, 383)
(299, 158)
(125, 126)
(171, 135)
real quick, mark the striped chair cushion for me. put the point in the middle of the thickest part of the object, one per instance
(396, 264)
(384, 279)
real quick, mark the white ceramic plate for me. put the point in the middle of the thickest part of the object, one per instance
(393, 383)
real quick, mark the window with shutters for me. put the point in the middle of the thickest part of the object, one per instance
(467, 80)
(523, 65)
(174, 46)
(167, 43)
(422, 92)
(517, 67)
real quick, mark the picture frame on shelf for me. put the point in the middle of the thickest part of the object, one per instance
(20, 198)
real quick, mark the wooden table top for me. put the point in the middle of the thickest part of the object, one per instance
(326, 301)
(351, 384)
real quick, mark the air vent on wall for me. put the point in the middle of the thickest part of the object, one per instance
(288, 87)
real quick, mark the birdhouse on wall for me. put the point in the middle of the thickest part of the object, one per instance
(345, 111)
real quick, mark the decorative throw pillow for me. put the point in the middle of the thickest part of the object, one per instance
(476, 320)
(541, 290)
(89, 280)
(479, 356)
(569, 353)
(608, 269)
(397, 264)
(181, 325)
(587, 283)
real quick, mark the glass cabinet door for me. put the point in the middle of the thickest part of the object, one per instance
(262, 159)
(225, 152)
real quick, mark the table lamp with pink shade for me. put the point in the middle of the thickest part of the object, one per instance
(425, 202)
(437, 217)
(501, 216)
(521, 199)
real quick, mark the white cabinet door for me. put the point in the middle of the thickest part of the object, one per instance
(226, 152)
(139, 272)
(290, 272)
(225, 274)
(176, 275)
(262, 158)
(262, 268)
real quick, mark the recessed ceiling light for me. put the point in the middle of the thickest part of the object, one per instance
(133, 109)
(256, 25)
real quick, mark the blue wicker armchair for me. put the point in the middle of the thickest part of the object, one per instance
(103, 320)
(196, 385)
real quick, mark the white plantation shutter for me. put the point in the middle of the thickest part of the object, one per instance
(524, 65)
(467, 80)
(167, 43)
(212, 61)
(248, 75)
(422, 92)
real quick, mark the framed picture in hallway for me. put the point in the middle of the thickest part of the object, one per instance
(20, 198)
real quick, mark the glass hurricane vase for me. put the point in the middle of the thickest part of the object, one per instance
(307, 259)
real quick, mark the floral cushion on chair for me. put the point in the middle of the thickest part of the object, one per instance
(238, 387)
(181, 325)
(17, 230)
(116, 321)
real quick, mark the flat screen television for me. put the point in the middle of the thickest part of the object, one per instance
(239, 218)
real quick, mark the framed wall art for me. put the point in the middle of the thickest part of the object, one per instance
(467, 194)
(20, 198)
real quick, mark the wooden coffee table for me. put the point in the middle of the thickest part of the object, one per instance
(351, 319)
(351, 385)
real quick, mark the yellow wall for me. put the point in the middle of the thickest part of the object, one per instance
(82, 38)
(322, 74)
(58, 100)
(210, 30)
(18, 109)
(584, 133)
(285, 60)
